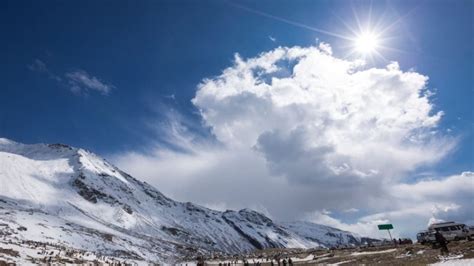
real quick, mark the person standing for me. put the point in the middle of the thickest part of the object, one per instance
(442, 242)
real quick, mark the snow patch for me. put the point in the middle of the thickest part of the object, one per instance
(373, 252)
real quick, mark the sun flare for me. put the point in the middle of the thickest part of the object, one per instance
(366, 43)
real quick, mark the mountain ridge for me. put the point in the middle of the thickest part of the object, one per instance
(71, 196)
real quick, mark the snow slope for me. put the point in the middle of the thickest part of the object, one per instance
(325, 236)
(69, 196)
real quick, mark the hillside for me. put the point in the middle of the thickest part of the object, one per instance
(72, 198)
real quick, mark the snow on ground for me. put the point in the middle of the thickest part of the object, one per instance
(456, 262)
(388, 255)
(342, 262)
(405, 255)
(69, 205)
(308, 258)
(327, 236)
(31, 254)
(373, 252)
(64, 195)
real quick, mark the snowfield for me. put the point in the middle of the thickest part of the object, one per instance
(59, 196)
(457, 262)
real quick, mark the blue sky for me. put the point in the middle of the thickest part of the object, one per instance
(105, 75)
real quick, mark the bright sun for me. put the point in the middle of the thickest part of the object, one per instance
(366, 43)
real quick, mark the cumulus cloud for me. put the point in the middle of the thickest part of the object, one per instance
(299, 130)
(81, 82)
(325, 47)
(327, 120)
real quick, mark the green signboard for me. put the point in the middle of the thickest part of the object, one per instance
(385, 226)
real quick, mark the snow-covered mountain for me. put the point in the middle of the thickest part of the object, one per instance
(68, 196)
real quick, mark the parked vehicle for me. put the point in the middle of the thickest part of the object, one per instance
(471, 232)
(451, 230)
(426, 237)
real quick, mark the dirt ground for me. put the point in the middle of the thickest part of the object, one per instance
(410, 254)
(414, 254)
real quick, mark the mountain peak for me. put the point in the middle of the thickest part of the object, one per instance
(37, 151)
(5, 141)
(73, 197)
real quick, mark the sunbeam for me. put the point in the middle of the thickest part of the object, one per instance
(365, 36)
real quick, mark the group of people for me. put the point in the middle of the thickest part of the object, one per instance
(400, 241)
(441, 242)
(285, 262)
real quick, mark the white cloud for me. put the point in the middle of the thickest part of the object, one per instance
(461, 185)
(351, 210)
(219, 206)
(325, 47)
(326, 212)
(41, 67)
(38, 66)
(363, 228)
(414, 206)
(81, 82)
(299, 130)
(327, 119)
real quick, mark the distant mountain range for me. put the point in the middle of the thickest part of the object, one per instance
(68, 196)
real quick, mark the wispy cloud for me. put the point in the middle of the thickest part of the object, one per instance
(170, 96)
(351, 210)
(80, 82)
(273, 39)
(41, 67)
(38, 66)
